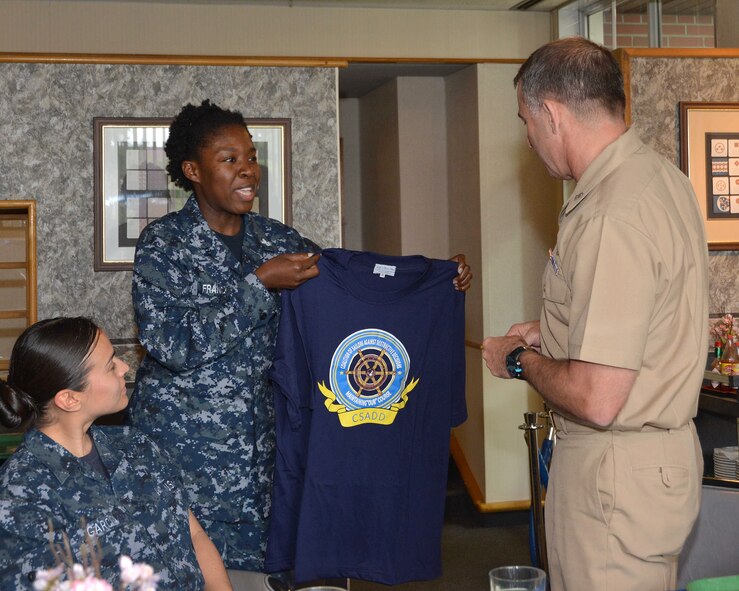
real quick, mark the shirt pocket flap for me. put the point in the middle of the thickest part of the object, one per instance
(554, 288)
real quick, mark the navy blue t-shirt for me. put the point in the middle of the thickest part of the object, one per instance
(369, 379)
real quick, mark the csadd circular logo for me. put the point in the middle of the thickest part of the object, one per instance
(369, 378)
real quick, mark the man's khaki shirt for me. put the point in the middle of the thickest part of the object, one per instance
(626, 285)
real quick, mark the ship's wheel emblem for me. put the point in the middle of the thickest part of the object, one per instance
(369, 370)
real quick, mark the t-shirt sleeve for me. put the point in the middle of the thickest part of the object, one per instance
(613, 273)
(290, 374)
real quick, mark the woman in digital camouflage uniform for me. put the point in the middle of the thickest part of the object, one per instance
(205, 295)
(206, 287)
(71, 479)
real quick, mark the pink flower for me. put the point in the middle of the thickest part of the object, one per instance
(90, 584)
(134, 577)
(139, 574)
(46, 579)
(723, 328)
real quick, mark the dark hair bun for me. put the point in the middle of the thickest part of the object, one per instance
(16, 407)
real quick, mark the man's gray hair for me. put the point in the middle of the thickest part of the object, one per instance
(582, 75)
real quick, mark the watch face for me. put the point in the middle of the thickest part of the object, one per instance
(514, 369)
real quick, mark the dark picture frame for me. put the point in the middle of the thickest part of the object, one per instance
(709, 157)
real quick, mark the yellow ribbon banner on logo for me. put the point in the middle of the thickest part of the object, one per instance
(377, 415)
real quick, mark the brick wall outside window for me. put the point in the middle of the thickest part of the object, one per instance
(632, 30)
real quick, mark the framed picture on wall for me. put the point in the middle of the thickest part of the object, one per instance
(132, 187)
(709, 156)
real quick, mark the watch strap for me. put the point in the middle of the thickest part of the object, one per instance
(513, 362)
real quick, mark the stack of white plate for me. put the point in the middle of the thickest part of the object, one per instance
(725, 461)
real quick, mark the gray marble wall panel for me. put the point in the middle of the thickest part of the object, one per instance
(46, 113)
(657, 86)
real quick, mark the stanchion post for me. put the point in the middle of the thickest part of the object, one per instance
(530, 428)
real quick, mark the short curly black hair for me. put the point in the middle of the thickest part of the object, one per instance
(190, 131)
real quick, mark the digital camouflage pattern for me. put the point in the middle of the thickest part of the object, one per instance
(208, 326)
(141, 511)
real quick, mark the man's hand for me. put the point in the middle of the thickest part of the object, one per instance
(529, 332)
(494, 351)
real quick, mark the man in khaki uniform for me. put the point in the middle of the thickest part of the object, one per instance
(619, 351)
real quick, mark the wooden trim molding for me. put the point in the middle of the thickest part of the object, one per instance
(432, 60)
(12, 314)
(178, 60)
(678, 53)
(473, 489)
(32, 289)
(222, 60)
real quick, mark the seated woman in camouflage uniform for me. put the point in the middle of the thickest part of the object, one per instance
(71, 479)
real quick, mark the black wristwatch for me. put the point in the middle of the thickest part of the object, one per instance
(513, 364)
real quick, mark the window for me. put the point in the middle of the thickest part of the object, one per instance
(641, 23)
